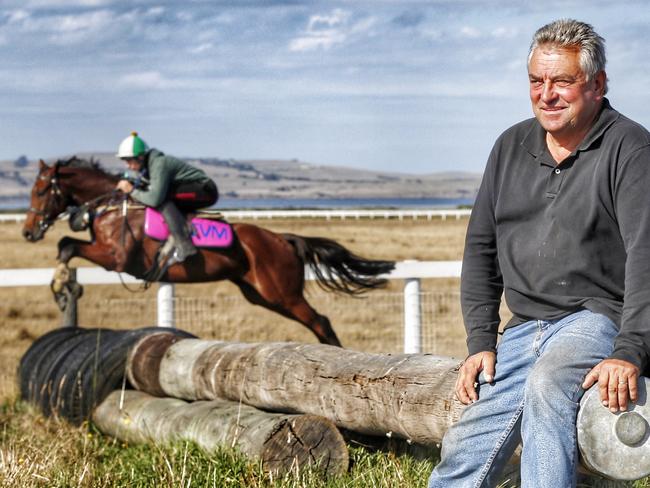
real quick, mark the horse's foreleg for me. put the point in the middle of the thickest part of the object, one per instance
(110, 258)
(67, 250)
(61, 285)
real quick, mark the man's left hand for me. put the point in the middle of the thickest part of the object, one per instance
(617, 381)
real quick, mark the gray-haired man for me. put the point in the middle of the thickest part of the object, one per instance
(561, 225)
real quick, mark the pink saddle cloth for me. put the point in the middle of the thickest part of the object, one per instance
(205, 232)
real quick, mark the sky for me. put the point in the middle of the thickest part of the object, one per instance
(388, 85)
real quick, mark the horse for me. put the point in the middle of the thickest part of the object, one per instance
(267, 267)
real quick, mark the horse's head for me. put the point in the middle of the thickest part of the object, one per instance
(47, 202)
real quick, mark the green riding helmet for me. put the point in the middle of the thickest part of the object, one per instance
(132, 147)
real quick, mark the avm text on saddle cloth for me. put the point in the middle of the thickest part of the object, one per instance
(205, 232)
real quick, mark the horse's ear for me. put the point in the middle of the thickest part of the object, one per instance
(41, 165)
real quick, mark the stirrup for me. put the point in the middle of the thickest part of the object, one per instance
(180, 254)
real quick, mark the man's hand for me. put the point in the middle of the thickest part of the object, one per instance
(125, 186)
(617, 382)
(468, 373)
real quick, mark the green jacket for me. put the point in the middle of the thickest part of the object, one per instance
(165, 172)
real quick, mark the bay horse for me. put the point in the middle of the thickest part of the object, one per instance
(267, 267)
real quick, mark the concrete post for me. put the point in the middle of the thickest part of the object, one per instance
(70, 294)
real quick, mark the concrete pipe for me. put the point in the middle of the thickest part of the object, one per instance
(615, 445)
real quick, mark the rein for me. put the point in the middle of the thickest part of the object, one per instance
(46, 222)
(124, 228)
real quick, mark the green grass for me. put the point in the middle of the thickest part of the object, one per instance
(48, 452)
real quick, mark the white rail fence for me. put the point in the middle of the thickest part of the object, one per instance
(327, 214)
(409, 271)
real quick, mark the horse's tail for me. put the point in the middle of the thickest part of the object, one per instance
(336, 268)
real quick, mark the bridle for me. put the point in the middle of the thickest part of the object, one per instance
(53, 190)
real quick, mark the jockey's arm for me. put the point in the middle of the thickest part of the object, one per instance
(160, 177)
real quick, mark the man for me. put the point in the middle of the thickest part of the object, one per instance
(561, 224)
(166, 184)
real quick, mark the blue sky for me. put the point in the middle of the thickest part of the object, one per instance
(397, 85)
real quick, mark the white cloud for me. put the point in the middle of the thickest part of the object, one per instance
(505, 32)
(206, 46)
(470, 32)
(155, 80)
(363, 26)
(17, 16)
(89, 21)
(65, 28)
(155, 11)
(66, 3)
(321, 22)
(144, 79)
(326, 31)
(324, 40)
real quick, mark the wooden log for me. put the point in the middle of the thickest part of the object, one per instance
(281, 442)
(409, 396)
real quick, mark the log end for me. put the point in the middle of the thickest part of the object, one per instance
(143, 365)
(306, 440)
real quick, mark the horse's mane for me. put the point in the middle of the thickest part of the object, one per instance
(75, 162)
(92, 164)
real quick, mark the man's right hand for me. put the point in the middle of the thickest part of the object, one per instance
(468, 374)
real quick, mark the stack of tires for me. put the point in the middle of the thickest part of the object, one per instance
(70, 370)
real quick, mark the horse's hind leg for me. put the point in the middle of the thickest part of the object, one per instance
(317, 323)
(297, 309)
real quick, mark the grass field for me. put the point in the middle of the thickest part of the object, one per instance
(37, 451)
(43, 452)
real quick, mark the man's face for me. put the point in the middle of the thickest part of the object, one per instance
(134, 164)
(564, 102)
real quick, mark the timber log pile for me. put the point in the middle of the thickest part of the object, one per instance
(280, 403)
(78, 373)
(70, 370)
(408, 396)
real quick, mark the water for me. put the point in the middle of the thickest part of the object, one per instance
(12, 204)
(324, 203)
(15, 204)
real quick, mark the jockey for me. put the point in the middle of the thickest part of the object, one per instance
(167, 184)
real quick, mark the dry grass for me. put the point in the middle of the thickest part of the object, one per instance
(35, 451)
(49, 452)
(217, 310)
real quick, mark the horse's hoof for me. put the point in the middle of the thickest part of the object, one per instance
(62, 273)
(56, 286)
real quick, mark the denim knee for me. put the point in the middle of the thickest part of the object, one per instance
(547, 385)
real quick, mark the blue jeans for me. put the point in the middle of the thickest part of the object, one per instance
(534, 400)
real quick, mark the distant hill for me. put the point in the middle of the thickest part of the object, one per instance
(282, 179)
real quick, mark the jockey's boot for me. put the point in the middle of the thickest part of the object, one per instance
(183, 247)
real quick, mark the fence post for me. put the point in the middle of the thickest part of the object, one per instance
(71, 292)
(166, 305)
(412, 316)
